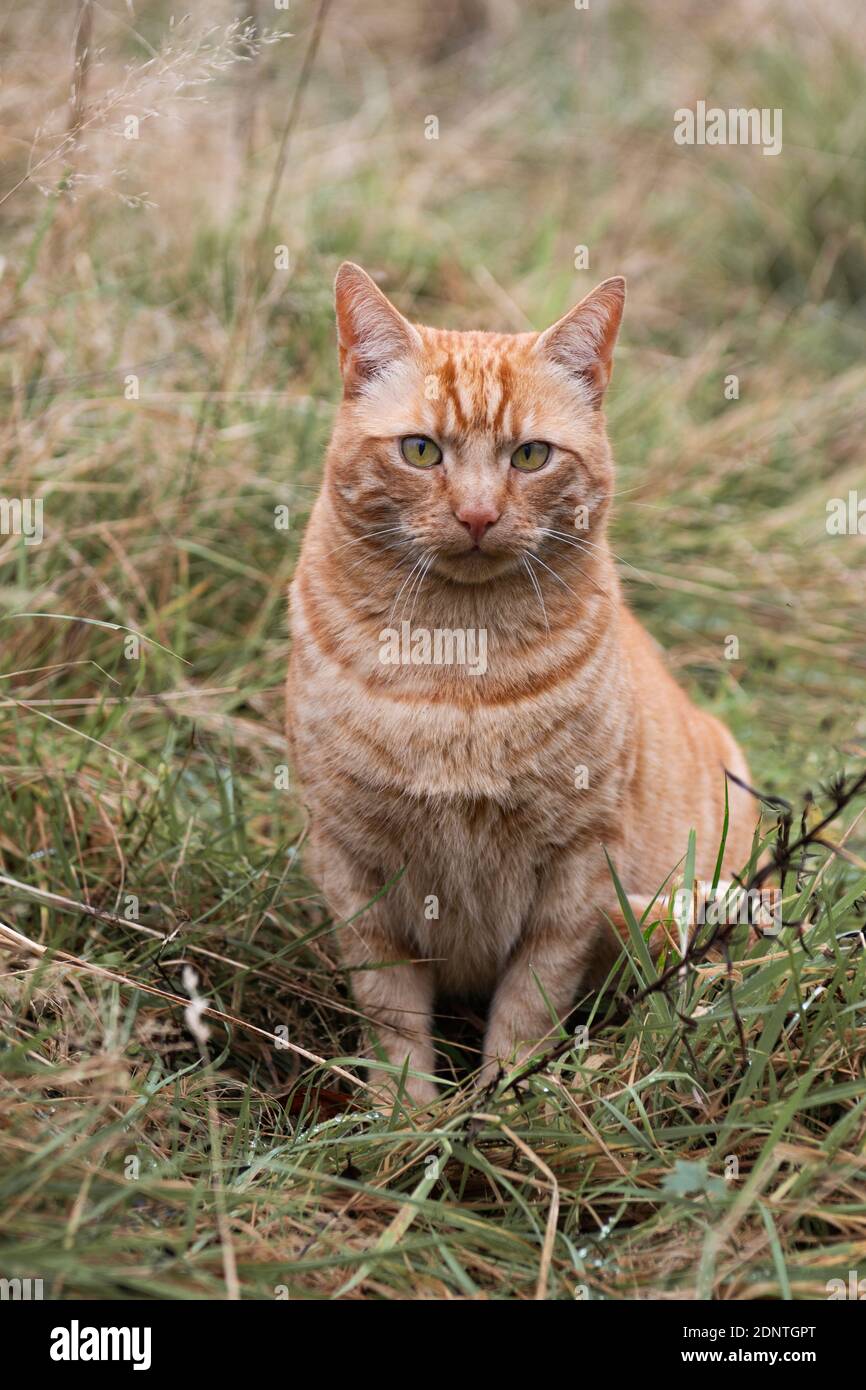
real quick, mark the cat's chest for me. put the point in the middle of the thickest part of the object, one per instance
(448, 743)
(446, 752)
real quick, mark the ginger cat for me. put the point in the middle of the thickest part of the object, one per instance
(474, 713)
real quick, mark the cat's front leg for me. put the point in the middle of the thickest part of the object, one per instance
(564, 948)
(395, 995)
(393, 992)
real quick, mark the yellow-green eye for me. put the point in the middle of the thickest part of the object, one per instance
(529, 457)
(420, 451)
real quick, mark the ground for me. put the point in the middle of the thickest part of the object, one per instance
(171, 230)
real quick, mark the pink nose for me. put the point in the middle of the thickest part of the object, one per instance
(477, 518)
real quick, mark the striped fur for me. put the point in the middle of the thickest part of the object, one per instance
(486, 798)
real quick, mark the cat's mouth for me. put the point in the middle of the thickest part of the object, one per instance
(475, 565)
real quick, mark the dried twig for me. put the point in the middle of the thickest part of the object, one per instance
(10, 937)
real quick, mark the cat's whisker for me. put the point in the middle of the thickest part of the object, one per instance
(365, 560)
(558, 577)
(367, 536)
(654, 506)
(524, 557)
(584, 544)
(409, 576)
(560, 536)
(413, 587)
(578, 545)
(424, 574)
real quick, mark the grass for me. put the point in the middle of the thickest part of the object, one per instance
(167, 389)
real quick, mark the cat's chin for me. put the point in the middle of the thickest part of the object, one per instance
(475, 566)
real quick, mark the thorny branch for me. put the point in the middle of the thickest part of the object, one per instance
(785, 856)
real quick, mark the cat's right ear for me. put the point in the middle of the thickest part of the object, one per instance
(371, 333)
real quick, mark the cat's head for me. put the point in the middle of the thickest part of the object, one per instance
(472, 447)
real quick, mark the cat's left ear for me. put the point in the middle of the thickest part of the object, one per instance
(583, 341)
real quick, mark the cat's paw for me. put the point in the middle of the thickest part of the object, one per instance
(488, 1074)
(501, 1063)
(420, 1091)
(417, 1090)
